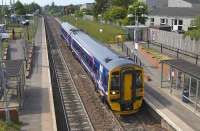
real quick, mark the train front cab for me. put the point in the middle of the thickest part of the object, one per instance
(126, 89)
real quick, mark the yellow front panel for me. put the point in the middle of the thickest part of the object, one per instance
(127, 87)
(115, 106)
(137, 104)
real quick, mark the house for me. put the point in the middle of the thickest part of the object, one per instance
(155, 3)
(184, 3)
(152, 4)
(87, 6)
(176, 18)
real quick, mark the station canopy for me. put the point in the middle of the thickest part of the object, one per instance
(13, 67)
(184, 66)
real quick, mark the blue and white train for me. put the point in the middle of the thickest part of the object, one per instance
(118, 80)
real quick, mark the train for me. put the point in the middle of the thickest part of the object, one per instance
(118, 80)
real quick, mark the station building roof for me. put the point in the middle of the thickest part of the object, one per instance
(184, 66)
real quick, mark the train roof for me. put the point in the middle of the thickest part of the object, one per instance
(103, 54)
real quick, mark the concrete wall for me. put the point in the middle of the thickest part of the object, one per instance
(88, 17)
(178, 3)
(175, 40)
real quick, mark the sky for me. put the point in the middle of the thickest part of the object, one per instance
(57, 2)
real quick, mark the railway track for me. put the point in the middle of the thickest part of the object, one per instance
(143, 120)
(74, 112)
(101, 117)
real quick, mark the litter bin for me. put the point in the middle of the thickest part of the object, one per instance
(184, 95)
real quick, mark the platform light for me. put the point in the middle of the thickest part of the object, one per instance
(100, 30)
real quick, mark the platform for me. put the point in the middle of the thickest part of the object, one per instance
(167, 106)
(38, 110)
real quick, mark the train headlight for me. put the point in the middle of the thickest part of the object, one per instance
(113, 92)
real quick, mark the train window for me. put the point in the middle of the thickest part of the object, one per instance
(115, 81)
(138, 79)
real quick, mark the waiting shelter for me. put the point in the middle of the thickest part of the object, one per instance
(183, 81)
(12, 84)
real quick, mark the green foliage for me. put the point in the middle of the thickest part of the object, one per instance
(123, 3)
(70, 9)
(115, 13)
(101, 6)
(87, 12)
(92, 28)
(26, 9)
(117, 10)
(30, 8)
(9, 127)
(78, 13)
(138, 9)
(55, 10)
(124, 21)
(195, 33)
(20, 9)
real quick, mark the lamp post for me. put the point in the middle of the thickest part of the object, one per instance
(4, 83)
(136, 22)
(100, 18)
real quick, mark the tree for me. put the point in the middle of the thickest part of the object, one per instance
(195, 32)
(20, 9)
(78, 13)
(32, 7)
(87, 11)
(70, 9)
(101, 6)
(138, 10)
(115, 13)
(123, 3)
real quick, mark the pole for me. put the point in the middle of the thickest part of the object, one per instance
(27, 30)
(14, 6)
(5, 93)
(135, 29)
(2, 10)
(197, 92)
(3, 71)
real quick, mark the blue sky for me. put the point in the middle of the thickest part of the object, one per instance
(57, 2)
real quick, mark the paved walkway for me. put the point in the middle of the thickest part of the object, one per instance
(176, 114)
(38, 112)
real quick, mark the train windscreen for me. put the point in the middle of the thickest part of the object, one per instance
(115, 81)
(138, 79)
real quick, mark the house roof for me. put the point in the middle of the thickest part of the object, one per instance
(193, 1)
(175, 12)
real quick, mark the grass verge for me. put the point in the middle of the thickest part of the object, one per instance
(156, 54)
(92, 28)
(10, 126)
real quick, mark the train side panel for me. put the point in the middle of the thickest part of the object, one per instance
(98, 73)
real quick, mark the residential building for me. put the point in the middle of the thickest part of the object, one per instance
(88, 6)
(152, 4)
(155, 3)
(175, 18)
(184, 3)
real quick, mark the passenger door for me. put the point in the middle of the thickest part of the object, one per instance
(127, 86)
